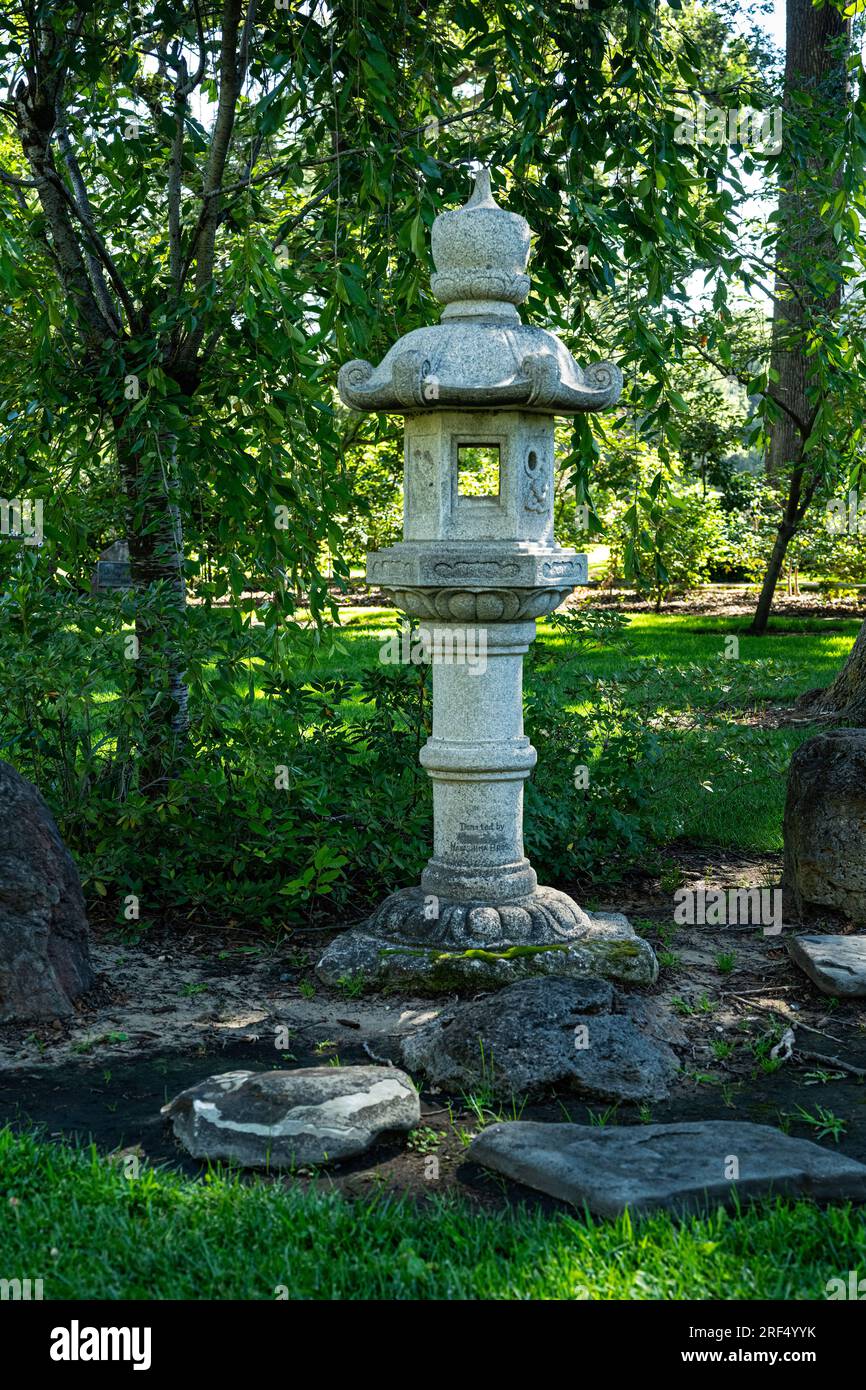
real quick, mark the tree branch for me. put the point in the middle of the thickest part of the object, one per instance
(36, 113)
(743, 380)
(175, 170)
(14, 182)
(287, 226)
(202, 246)
(192, 82)
(100, 248)
(297, 218)
(83, 201)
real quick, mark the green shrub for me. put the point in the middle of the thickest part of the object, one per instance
(298, 798)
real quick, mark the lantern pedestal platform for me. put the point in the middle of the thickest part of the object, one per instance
(480, 945)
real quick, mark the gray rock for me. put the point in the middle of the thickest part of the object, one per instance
(683, 1167)
(44, 957)
(837, 964)
(286, 1119)
(538, 1034)
(654, 1016)
(825, 823)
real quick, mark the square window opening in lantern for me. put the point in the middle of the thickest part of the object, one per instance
(478, 470)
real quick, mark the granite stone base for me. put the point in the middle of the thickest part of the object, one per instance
(432, 945)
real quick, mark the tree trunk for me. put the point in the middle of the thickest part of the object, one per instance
(154, 533)
(758, 625)
(796, 506)
(844, 701)
(813, 65)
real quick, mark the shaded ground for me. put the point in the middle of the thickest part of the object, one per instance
(736, 601)
(166, 1015)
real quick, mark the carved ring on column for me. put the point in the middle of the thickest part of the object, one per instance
(458, 605)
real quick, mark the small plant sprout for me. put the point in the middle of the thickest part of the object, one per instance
(424, 1140)
(824, 1122)
(351, 985)
(670, 878)
(602, 1118)
(192, 989)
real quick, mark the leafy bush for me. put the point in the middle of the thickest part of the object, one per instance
(665, 542)
(281, 801)
(589, 802)
(298, 798)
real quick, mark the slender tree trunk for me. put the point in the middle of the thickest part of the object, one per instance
(796, 505)
(154, 533)
(813, 66)
(774, 568)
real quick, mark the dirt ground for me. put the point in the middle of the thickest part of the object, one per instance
(735, 600)
(168, 1012)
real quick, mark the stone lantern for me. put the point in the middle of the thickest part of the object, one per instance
(478, 564)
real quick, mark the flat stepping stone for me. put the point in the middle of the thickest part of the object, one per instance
(681, 1167)
(541, 1033)
(836, 964)
(288, 1119)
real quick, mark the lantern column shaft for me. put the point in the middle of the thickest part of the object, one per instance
(478, 757)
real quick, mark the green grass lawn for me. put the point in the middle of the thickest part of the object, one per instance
(815, 645)
(721, 778)
(71, 1218)
(721, 783)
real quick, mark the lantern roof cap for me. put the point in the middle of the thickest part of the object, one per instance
(480, 252)
(481, 355)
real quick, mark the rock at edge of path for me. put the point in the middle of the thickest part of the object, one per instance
(677, 1167)
(541, 1033)
(836, 964)
(279, 1119)
(44, 954)
(825, 823)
